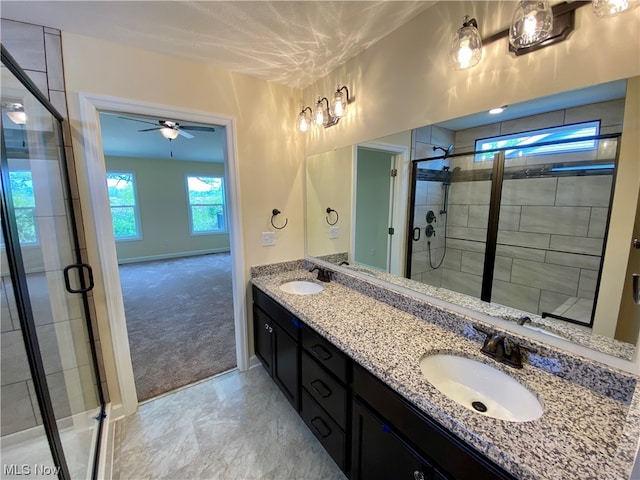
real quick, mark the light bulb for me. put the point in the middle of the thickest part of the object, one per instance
(169, 133)
(339, 104)
(303, 123)
(466, 46)
(531, 24)
(609, 8)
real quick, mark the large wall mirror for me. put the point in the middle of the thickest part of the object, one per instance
(507, 214)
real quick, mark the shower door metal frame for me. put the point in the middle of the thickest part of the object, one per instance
(18, 277)
(494, 214)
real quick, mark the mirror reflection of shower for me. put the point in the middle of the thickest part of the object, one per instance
(446, 183)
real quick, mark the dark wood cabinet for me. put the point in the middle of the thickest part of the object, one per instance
(379, 454)
(276, 334)
(369, 430)
(424, 438)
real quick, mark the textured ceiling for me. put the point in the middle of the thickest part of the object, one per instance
(292, 43)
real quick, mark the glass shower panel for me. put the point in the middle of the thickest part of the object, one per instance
(451, 210)
(23, 441)
(554, 210)
(38, 188)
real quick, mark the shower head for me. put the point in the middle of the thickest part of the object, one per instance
(447, 151)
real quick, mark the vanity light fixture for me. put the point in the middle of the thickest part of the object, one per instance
(609, 8)
(466, 45)
(324, 114)
(16, 114)
(531, 24)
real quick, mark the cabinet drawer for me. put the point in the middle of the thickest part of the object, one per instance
(325, 429)
(325, 390)
(277, 312)
(325, 353)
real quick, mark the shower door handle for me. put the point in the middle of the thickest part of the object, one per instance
(636, 288)
(80, 267)
(416, 230)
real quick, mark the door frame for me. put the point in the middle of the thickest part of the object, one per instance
(99, 209)
(399, 200)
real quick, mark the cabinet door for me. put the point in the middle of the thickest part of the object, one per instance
(286, 364)
(262, 339)
(378, 453)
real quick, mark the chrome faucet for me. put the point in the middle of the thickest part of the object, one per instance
(323, 274)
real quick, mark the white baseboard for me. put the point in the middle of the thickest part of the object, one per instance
(168, 256)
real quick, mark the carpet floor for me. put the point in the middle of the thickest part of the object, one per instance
(180, 321)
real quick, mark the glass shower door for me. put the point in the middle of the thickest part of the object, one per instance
(62, 395)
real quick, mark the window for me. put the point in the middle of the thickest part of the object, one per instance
(124, 209)
(206, 204)
(24, 203)
(546, 135)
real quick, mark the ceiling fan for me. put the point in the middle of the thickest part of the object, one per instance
(170, 130)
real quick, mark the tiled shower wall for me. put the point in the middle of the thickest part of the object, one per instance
(38, 51)
(551, 229)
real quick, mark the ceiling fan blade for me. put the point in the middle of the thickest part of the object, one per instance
(149, 129)
(138, 120)
(184, 134)
(196, 128)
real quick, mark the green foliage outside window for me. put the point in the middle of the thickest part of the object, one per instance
(206, 201)
(122, 198)
(24, 202)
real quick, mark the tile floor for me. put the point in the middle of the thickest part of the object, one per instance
(233, 426)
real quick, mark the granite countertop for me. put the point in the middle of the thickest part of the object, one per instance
(584, 432)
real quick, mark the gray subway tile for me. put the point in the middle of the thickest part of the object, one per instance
(550, 302)
(470, 193)
(573, 260)
(16, 409)
(594, 191)
(587, 285)
(564, 243)
(555, 278)
(465, 233)
(557, 220)
(516, 296)
(529, 191)
(25, 42)
(14, 366)
(533, 122)
(609, 113)
(55, 74)
(523, 239)
(466, 245)
(462, 282)
(467, 138)
(520, 252)
(598, 222)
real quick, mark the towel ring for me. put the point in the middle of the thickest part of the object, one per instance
(275, 212)
(329, 211)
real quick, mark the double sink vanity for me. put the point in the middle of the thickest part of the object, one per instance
(395, 387)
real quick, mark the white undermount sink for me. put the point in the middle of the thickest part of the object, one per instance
(301, 287)
(481, 388)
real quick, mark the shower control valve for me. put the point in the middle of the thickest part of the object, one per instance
(431, 217)
(430, 231)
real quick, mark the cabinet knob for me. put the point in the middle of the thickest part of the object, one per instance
(270, 329)
(418, 475)
(266, 326)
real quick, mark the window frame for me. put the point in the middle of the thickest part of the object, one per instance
(523, 148)
(136, 208)
(190, 206)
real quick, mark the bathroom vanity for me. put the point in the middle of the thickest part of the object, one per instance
(348, 359)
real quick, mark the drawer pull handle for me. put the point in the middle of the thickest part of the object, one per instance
(321, 389)
(418, 475)
(323, 426)
(321, 352)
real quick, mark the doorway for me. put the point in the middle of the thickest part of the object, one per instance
(102, 231)
(166, 185)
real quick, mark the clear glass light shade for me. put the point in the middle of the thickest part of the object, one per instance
(609, 8)
(169, 133)
(304, 122)
(319, 114)
(339, 104)
(466, 47)
(532, 23)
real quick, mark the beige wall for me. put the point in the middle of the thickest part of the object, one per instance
(269, 153)
(404, 81)
(163, 209)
